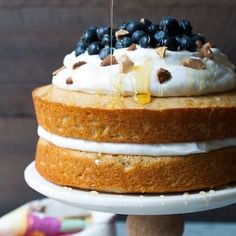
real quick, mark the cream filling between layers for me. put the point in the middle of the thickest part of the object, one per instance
(172, 149)
(93, 78)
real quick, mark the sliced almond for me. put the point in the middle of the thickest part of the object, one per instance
(69, 80)
(109, 60)
(194, 64)
(79, 64)
(161, 51)
(198, 44)
(132, 47)
(163, 75)
(209, 44)
(126, 64)
(121, 33)
(54, 73)
(206, 52)
(142, 20)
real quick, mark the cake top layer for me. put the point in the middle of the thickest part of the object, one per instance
(147, 60)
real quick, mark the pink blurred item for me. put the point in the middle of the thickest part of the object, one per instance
(49, 218)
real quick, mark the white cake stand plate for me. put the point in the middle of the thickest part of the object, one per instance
(131, 204)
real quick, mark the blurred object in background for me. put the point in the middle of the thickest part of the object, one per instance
(35, 37)
(48, 217)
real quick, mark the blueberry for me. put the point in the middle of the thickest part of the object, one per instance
(105, 52)
(94, 48)
(170, 42)
(123, 26)
(80, 43)
(199, 37)
(93, 28)
(132, 26)
(118, 44)
(185, 27)
(80, 50)
(106, 40)
(170, 25)
(137, 35)
(152, 29)
(160, 35)
(146, 22)
(88, 37)
(101, 31)
(124, 42)
(186, 43)
(145, 41)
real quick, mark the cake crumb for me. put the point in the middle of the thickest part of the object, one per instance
(205, 196)
(94, 193)
(212, 191)
(97, 162)
(162, 197)
(186, 194)
(202, 193)
(67, 188)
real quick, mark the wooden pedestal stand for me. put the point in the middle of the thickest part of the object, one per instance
(166, 225)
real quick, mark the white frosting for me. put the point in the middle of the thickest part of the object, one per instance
(171, 149)
(93, 78)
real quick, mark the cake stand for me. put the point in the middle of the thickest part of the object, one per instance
(149, 214)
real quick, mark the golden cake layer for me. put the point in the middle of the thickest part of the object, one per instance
(135, 174)
(105, 118)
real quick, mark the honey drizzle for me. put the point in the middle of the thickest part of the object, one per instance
(141, 83)
(111, 22)
(141, 79)
(115, 100)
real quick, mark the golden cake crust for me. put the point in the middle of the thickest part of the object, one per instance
(135, 174)
(106, 119)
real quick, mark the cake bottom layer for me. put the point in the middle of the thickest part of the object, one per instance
(135, 174)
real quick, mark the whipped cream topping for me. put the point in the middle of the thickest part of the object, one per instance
(218, 76)
(171, 149)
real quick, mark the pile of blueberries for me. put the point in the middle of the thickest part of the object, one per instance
(175, 35)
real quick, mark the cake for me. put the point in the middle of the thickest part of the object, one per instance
(154, 113)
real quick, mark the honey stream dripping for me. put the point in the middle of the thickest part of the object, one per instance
(141, 79)
(116, 100)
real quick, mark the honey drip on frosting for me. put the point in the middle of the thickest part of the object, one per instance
(116, 100)
(141, 83)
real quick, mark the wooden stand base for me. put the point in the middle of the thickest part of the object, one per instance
(166, 225)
